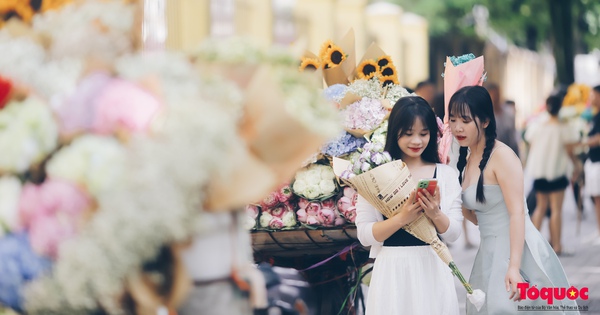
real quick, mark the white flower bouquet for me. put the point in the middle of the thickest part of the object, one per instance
(315, 182)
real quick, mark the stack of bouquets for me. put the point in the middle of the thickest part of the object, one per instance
(276, 210)
(317, 187)
(92, 156)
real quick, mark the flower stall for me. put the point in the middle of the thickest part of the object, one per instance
(111, 156)
(308, 222)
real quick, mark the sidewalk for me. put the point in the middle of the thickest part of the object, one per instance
(583, 268)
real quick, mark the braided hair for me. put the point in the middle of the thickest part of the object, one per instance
(404, 113)
(475, 102)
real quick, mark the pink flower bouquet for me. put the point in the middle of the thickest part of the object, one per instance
(319, 213)
(52, 213)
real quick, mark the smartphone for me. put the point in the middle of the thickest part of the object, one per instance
(428, 184)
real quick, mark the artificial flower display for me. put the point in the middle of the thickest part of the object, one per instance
(315, 182)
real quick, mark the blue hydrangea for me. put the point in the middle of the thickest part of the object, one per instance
(18, 265)
(336, 92)
(343, 144)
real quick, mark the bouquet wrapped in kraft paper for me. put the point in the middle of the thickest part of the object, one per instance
(386, 184)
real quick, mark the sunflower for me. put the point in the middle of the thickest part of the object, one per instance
(387, 80)
(324, 48)
(388, 70)
(310, 64)
(19, 8)
(333, 57)
(366, 69)
(384, 61)
(54, 4)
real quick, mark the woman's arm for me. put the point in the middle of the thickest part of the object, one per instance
(446, 211)
(507, 169)
(371, 231)
(469, 215)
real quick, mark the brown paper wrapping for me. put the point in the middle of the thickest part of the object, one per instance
(373, 52)
(248, 180)
(273, 135)
(386, 188)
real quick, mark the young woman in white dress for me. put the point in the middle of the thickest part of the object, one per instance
(408, 277)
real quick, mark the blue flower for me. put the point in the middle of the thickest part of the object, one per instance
(336, 92)
(18, 265)
(345, 143)
(460, 60)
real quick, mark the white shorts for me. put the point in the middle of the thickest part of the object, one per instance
(592, 178)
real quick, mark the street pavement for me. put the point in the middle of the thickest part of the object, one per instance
(579, 238)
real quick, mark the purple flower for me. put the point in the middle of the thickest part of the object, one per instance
(343, 144)
(365, 167)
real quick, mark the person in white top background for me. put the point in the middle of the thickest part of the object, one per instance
(551, 152)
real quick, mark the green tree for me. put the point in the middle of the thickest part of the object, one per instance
(568, 26)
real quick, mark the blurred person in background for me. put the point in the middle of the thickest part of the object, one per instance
(426, 90)
(592, 165)
(505, 118)
(548, 161)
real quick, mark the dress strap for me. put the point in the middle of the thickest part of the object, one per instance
(493, 150)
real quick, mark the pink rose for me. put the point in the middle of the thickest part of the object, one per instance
(354, 199)
(339, 220)
(269, 201)
(313, 208)
(349, 192)
(344, 203)
(302, 216)
(51, 212)
(302, 203)
(313, 220)
(276, 223)
(252, 211)
(350, 215)
(285, 193)
(327, 215)
(278, 211)
(328, 203)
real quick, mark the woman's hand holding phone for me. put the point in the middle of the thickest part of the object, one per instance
(410, 210)
(429, 198)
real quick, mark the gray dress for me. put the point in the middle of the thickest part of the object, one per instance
(539, 264)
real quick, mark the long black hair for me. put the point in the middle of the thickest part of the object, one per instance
(402, 118)
(475, 102)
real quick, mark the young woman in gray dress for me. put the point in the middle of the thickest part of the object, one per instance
(513, 256)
